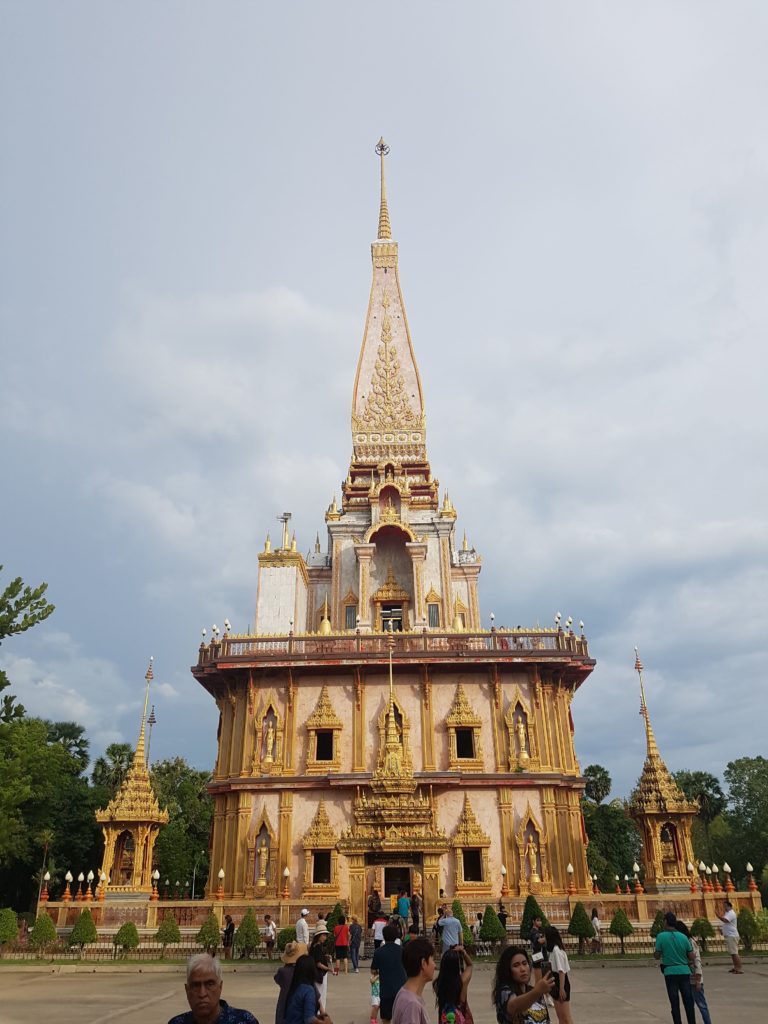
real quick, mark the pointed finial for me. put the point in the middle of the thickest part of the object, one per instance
(385, 231)
(650, 739)
(267, 545)
(465, 543)
(293, 542)
(317, 544)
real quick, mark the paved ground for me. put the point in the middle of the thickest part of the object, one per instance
(611, 995)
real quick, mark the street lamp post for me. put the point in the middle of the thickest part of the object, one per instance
(220, 890)
(194, 870)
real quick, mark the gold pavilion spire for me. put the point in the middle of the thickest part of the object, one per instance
(650, 739)
(385, 230)
(139, 756)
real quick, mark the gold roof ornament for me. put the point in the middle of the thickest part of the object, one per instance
(325, 622)
(657, 792)
(390, 590)
(317, 544)
(320, 834)
(461, 712)
(135, 800)
(333, 514)
(267, 546)
(465, 543)
(324, 717)
(468, 834)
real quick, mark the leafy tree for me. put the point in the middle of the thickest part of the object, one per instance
(72, 737)
(748, 927)
(9, 927)
(168, 933)
(209, 935)
(580, 925)
(761, 917)
(704, 789)
(467, 939)
(21, 608)
(702, 929)
(621, 926)
(598, 783)
(84, 932)
(248, 935)
(126, 937)
(110, 769)
(43, 933)
(284, 936)
(747, 814)
(531, 910)
(182, 846)
(658, 924)
(492, 930)
(614, 842)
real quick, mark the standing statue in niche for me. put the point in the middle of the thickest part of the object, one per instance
(531, 855)
(522, 738)
(263, 858)
(269, 742)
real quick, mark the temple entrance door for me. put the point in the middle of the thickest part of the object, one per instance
(395, 879)
(392, 613)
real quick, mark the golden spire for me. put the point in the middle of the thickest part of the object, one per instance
(267, 545)
(293, 542)
(651, 745)
(385, 231)
(317, 544)
(139, 757)
(325, 622)
(465, 543)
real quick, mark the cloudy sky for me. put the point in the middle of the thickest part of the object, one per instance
(188, 193)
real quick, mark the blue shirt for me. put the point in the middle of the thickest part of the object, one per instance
(451, 927)
(302, 1006)
(404, 907)
(674, 948)
(227, 1015)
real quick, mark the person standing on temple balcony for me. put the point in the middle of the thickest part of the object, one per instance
(302, 928)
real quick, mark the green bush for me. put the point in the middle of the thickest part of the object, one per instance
(9, 927)
(580, 925)
(126, 937)
(284, 936)
(531, 910)
(702, 929)
(621, 926)
(467, 938)
(248, 935)
(84, 931)
(762, 924)
(209, 935)
(658, 924)
(43, 933)
(492, 930)
(748, 928)
(168, 933)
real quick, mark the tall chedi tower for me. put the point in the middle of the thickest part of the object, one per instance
(662, 814)
(371, 733)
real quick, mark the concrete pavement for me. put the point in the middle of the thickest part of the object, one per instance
(147, 995)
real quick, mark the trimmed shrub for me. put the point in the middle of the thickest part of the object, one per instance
(84, 932)
(531, 910)
(9, 927)
(580, 925)
(331, 921)
(621, 926)
(209, 935)
(658, 924)
(748, 929)
(284, 936)
(43, 933)
(467, 938)
(248, 935)
(168, 934)
(126, 937)
(702, 929)
(492, 930)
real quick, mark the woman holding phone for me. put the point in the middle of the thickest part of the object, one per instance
(515, 999)
(561, 969)
(451, 986)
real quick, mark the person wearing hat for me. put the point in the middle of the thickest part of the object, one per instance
(302, 927)
(317, 950)
(284, 976)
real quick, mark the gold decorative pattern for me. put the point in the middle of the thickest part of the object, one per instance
(320, 835)
(468, 833)
(387, 407)
(469, 836)
(533, 861)
(463, 716)
(521, 734)
(323, 719)
(262, 880)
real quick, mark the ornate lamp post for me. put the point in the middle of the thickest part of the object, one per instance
(595, 886)
(155, 876)
(571, 886)
(692, 873)
(751, 885)
(638, 887)
(504, 886)
(80, 880)
(627, 890)
(715, 871)
(102, 886)
(220, 890)
(44, 890)
(88, 889)
(167, 894)
(286, 876)
(729, 886)
(618, 885)
(710, 887)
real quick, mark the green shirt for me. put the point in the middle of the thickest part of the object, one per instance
(674, 948)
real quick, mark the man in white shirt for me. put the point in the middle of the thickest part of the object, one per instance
(731, 935)
(302, 928)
